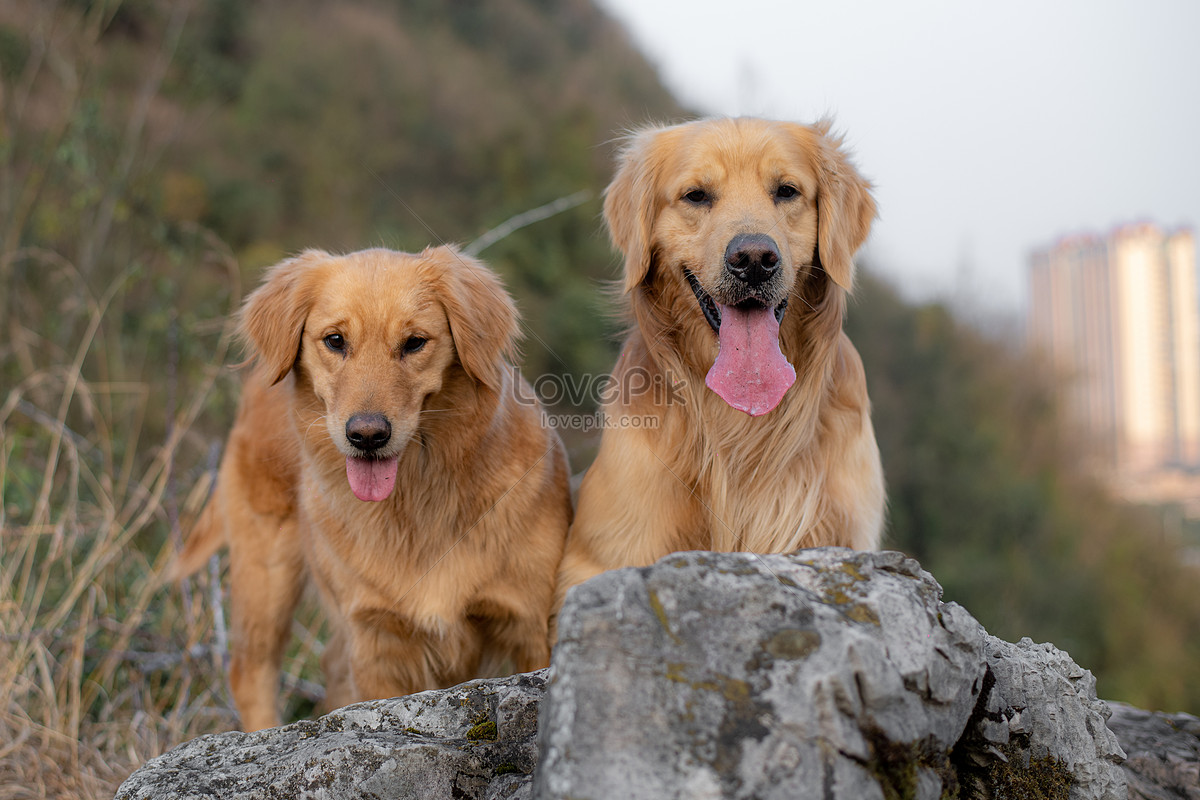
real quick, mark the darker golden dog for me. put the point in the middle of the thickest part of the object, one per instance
(385, 447)
(740, 418)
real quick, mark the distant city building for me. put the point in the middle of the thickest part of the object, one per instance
(1119, 317)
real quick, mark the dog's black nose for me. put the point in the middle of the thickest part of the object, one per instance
(368, 432)
(752, 257)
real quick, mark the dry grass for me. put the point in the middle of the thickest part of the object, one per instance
(113, 400)
(101, 665)
(82, 613)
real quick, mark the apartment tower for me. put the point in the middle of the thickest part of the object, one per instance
(1119, 318)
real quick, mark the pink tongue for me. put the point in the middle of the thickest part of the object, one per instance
(750, 373)
(371, 479)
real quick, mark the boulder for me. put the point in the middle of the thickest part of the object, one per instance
(827, 673)
(477, 740)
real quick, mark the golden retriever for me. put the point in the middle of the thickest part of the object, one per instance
(385, 447)
(738, 418)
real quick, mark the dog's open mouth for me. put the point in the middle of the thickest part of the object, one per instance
(712, 310)
(371, 479)
(750, 373)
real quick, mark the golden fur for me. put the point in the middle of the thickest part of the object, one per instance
(679, 468)
(452, 575)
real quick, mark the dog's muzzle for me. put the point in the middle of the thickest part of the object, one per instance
(750, 279)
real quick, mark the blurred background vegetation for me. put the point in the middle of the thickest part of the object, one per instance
(155, 155)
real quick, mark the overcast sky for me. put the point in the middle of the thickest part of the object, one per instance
(989, 129)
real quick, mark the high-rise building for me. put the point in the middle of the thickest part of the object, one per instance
(1119, 318)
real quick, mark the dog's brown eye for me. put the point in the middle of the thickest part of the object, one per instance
(413, 344)
(697, 196)
(785, 192)
(335, 342)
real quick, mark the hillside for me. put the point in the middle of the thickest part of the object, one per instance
(282, 125)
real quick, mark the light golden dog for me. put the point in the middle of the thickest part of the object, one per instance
(739, 417)
(385, 447)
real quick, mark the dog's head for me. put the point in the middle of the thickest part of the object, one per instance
(738, 214)
(375, 335)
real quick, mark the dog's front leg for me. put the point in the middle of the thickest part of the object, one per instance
(266, 570)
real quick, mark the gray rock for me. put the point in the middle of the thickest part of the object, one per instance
(1162, 751)
(1039, 723)
(828, 673)
(476, 740)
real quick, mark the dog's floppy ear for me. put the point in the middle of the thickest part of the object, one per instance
(845, 207)
(631, 201)
(483, 318)
(272, 318)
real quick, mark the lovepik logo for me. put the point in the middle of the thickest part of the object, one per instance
(582, 391)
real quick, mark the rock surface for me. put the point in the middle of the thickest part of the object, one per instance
(476, 740)
(1162, 750)
(1038, 723)
(827, 673)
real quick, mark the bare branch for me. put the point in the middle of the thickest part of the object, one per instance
(526, 218)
